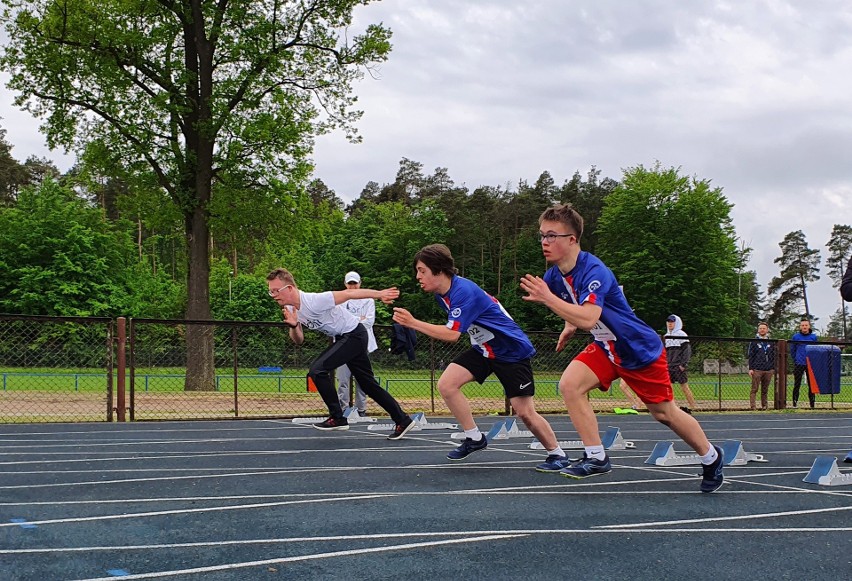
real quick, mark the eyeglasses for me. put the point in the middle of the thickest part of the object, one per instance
(551, 237)
(273, 292)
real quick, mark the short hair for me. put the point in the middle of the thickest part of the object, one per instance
(565, 214)
(283, 275)
(437, 258)
(763, 323)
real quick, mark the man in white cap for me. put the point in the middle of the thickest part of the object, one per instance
(365, 311)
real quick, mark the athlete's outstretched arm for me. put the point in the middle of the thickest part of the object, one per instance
(440, 332)
(583, 316)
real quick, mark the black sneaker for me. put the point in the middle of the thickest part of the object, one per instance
(467, 447)
(401, 429)
(712, 477)
(686, 409)
(333, 424)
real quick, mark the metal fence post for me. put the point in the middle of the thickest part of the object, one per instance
(122, 365)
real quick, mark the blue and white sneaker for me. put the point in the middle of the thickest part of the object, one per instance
(554, 463)
(585, 467)
(712, 478)
(467, 448)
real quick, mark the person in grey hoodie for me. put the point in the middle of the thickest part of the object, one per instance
(761, 364)
(678, 353)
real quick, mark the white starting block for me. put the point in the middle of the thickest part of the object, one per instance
(352, 415)
(420, 423)
(826, 473)
(612, 439)
(313, 420)
(732, 450)
(501, 430)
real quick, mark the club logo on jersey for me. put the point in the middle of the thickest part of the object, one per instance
(456, 313)
(594, 285)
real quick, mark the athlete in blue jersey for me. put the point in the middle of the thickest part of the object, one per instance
(497, 346)
(585, 294)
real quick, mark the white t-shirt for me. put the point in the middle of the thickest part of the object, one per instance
(319, 313)
(365, 311)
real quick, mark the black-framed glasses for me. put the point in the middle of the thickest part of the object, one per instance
(273, 292)
(550, 237)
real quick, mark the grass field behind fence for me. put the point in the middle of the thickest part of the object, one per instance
(401, 383)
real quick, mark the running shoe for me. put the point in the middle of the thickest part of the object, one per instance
(712, 477)
(467, 448)
(333, 424)
(401, 429)
(585, 467)
(553, 463)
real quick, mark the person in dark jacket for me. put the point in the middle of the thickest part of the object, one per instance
(761, 365)
(678, 354)
(846, 283)
(800, 362)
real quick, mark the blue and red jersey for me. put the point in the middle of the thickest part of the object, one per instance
(473, 311)
(627, 340)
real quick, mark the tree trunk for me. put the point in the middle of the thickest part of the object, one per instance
(200, 370)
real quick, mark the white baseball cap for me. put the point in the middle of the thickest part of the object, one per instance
(352, 277)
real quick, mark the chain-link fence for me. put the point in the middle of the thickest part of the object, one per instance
(64, 369)
(56, 369)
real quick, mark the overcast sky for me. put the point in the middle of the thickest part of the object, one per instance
(755, 96)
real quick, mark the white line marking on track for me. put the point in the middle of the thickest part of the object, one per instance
(349, 553)
(727, 518)
(501, 534)
(193, 510)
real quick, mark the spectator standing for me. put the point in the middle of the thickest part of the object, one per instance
(365, 311)
(761, 365)
(798, 353)
(678, 354)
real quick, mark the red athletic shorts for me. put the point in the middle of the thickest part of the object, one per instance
(651, 383)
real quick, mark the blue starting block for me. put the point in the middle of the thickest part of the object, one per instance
(848, 457)
(825, 472)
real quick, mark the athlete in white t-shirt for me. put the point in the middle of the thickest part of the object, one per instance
(323, 312)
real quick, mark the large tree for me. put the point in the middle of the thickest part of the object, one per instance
(839, 249)
(799, 266)
(670, 241)
(192, 91)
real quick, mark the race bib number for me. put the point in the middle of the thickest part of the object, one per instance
(478, 335)
(602, 333)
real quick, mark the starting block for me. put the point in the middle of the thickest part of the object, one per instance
(352, 415)
(612, 439)
(826, 473)
(848, 457)
(312, 420)
(420, 423)
(732, 450)
(501, 430)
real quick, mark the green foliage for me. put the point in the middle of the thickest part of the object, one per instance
(670, 242)
(839, 248)
(61, 257)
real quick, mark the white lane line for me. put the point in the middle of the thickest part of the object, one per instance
(193, 510)
(520, 532)
(282, 560)
(727, 518)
